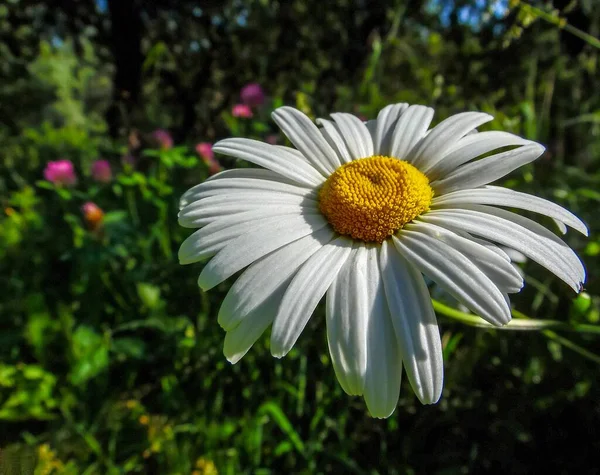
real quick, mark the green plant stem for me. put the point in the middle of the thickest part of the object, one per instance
(564, 341)
(521, 323)
(572, 346)
(561, 23)
(131, 204)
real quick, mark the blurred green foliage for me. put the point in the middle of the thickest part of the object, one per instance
(110, 355)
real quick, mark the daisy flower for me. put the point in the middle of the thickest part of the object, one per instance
(360, 213)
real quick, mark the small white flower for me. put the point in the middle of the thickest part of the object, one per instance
(360, 212)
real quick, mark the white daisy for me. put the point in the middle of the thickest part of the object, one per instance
(360, 212)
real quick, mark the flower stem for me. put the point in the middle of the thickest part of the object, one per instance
(523, 322)
(561, 23)
(572, 346)
(131, 204)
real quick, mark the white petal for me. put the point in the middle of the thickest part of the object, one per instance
(293, 151)
(384, 131)
(241, 338)
(204, 215)
(271, 157)
(332, 134)
(415, 324)
(237, 174)
(495, 266)
(569, 257)
(487, 244)
(384, 363)
(216, 235)
(255, 244)
(431, 149)
(470, 147)
(228, 186)
(410, 128)
(487, 169)
(355, 134)
(455, 273)
(258, 173)
(495, 195)
(307, 138)
(304, 293)
(514, 255)
(194, 214)
(252, 195)
(266, 276)
(347, 318)
(516, 232)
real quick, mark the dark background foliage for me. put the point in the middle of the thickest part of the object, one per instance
(110, 355)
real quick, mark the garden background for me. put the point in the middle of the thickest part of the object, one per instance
(110, 355)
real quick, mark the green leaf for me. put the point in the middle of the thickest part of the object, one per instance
(129, 348)
(260, 127)
(277, 415)
(149, 295)
(46, 185)
(64, 193)
(580, 305)
(90, 353)
(31, 395)
(115, 217)
(592, 249)
(33, 372)
(452, 344)
(588, 193)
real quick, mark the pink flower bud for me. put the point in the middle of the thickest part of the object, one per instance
(252, 95)
(204, 149)
(60, 172)
(241, 110)
(93, 215)
(163, 139)
(101, 171)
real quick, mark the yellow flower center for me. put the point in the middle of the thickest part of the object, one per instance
(372, 198)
